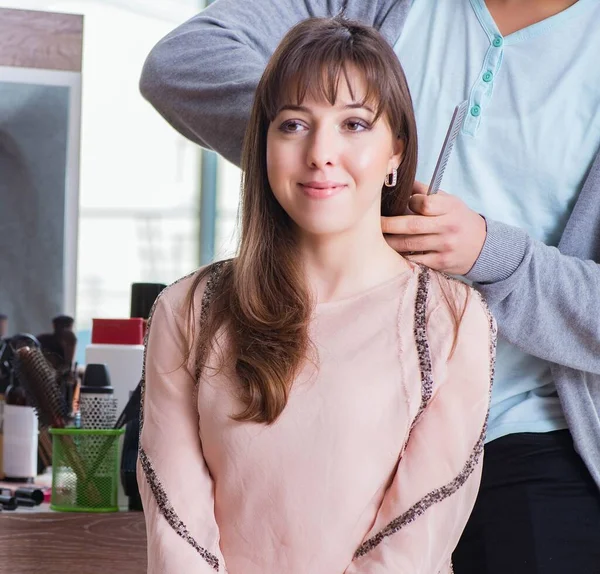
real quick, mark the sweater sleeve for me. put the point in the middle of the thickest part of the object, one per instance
(202, 76)
(175, 485)
(545, 302)
(430, 498)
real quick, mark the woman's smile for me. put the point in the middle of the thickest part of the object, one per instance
(321, 189)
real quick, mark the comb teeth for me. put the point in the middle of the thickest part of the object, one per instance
(453, 130)
(440, 174)
(39, 381)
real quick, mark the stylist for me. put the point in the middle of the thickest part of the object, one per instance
(527, 162)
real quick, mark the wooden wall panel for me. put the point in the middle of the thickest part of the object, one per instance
(45, 40)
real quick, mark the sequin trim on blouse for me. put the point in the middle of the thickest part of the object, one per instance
(215, 274)
(162, 500)
(169, 513)
(493, 337)
(420, 333)
(146, 335)
(426, 502)
(444, 492)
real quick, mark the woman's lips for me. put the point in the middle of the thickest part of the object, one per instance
(321, 189)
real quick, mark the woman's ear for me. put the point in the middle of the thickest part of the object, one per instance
(397, 154)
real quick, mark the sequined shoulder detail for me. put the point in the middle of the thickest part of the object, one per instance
(493, 338)
(420, 334)
(213, 274)
(450, 488)
(209, 290)
(162, 500)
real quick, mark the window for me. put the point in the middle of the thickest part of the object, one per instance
(228, 194)
(139, 193)
(139, 185)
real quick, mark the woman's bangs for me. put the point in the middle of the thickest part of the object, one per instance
(308, 75)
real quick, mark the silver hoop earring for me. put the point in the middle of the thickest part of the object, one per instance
(394, 178)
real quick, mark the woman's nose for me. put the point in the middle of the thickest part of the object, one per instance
(323, 148)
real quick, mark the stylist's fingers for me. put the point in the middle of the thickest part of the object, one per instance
(408, 225)
(412, 243)
(432, 259)
(419, 188)
(438, 204)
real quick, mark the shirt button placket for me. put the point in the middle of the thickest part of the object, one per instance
(482, 89)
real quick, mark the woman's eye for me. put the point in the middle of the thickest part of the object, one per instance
(291, 127)
(357, 125)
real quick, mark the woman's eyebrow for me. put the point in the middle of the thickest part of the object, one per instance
(294, 108)
(356, 105)
(350, 106)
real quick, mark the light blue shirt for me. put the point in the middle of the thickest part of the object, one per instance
(528, 141)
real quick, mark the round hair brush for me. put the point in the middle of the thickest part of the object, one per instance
(39, 379)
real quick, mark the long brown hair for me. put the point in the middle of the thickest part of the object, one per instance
(261, 297)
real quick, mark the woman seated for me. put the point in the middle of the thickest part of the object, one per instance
(316, 405)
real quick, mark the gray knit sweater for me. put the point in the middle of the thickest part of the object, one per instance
(202, 78)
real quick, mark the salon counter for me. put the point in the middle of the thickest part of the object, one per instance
(60, 543)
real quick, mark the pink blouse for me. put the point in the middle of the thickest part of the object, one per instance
(372, 468)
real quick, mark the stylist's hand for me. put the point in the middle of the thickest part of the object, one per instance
(442, 232)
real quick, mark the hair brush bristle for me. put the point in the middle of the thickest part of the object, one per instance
(39, 379)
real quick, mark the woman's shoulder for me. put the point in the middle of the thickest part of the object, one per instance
(195, 286)
(461, 334)
(457, 312)
(450, 294)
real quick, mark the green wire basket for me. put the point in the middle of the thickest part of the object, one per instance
(85, 469)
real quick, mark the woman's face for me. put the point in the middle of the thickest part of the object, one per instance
(326, 164)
